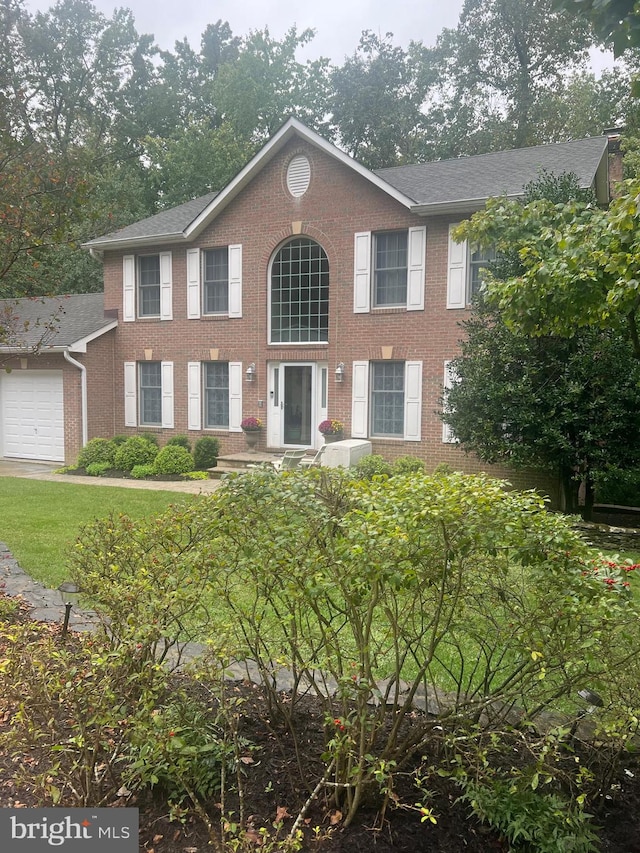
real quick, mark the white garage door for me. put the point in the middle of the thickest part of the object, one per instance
(32, 415)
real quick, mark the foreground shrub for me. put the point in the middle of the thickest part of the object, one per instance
(173, 459)
(373, 465)
(97, 451)
(205, 452)
(408, 465)
(98, 469)
(383, 599)
(141, 472)
(135, 451)
(450, 588)
(544, 822)
(179, 441)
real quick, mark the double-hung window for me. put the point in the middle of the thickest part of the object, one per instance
(215, 296)
(150, 379)
(465, 271)
(387, 399)
(214, 282)
(147, 287)
(216, 394)
(389, 269)
(148, 394)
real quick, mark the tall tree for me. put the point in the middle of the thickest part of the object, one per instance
(570, 406)
(266, 84)
(378, 98)
(505, 55)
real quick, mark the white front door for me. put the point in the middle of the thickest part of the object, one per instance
(32, 415)
(297, 404)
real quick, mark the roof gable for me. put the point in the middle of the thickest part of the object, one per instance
(442, 186)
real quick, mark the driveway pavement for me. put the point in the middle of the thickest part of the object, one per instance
(46, 471)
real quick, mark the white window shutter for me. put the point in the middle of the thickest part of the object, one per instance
(194, 385)
(413, 400)
(166, 286)
(415, 268)
(128, 288)
(235, 395)
(130, 394)
(449, 378)
(167, 394)
(457, 272)
(193, 285)
(235, 281)
(362, 272)
(360, 400)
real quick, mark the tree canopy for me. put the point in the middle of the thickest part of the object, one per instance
(142, 128)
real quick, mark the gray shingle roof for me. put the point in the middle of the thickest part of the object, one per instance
(443, 184)
(169, 222)
(55, 321)
(501, 173)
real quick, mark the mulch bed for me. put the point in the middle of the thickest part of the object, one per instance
(273, 787)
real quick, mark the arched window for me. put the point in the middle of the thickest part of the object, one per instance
(300, 293)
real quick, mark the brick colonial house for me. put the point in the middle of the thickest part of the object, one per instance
(309, 287)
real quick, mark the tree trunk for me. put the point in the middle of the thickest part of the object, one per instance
(569, 487)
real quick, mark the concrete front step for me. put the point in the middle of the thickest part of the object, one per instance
(241, 462)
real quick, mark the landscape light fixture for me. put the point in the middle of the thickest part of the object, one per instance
(69, 593)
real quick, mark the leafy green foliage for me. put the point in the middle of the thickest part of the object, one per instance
(616, 486)
(98, 469)
(173, 459)
(180, 441)
(97, 450)
(205, 452)
(544, 822)
(141, 472)
(393, 588)
(567, 405)
(136, 450)
(373, 465)
(408, 465)
(146, 576)
(579, 264)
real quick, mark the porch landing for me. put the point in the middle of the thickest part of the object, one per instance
(243, 461)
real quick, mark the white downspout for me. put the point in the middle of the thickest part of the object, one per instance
(83, 394)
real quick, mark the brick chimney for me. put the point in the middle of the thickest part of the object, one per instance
(614, 136)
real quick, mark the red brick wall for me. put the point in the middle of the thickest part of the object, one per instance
(337, 204)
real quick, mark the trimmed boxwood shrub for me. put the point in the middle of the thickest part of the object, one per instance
(98, 450)
(180, 441)
(205, 452)
(135, 451)
(173, 459)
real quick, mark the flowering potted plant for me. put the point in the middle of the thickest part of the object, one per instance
(251, 428)
(251, 424)
(332, 429)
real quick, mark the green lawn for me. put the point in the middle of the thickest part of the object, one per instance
(40, 521)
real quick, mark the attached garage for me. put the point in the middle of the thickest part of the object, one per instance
(32, 412)
(52, 351)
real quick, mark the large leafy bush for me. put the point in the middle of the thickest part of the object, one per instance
(136, 450)
(98, 450)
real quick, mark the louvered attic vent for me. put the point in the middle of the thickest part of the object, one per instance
(298, 176)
